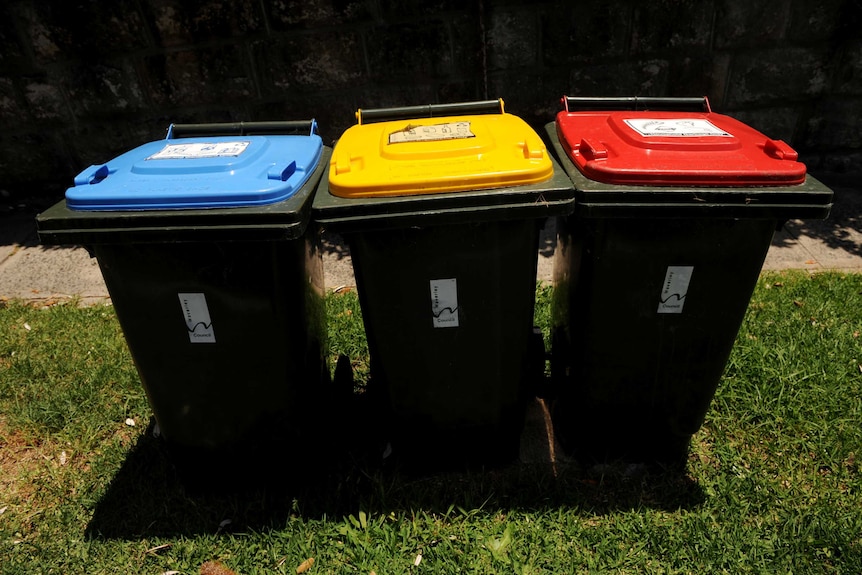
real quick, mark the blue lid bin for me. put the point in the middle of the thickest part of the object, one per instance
(205, 243)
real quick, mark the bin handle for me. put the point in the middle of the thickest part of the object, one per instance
(582, 104)
(371, 115)
(93, 175)
(780, 150)
(287, 128)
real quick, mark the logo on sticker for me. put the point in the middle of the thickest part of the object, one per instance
(200, 150)
(431, 133)
(675, 289)
(197, 316)
(444, 302)
(675, 127)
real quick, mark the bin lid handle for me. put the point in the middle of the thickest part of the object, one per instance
(780, 150)
(92, 175)
(285, 128)
(371, 115)
(583, 104)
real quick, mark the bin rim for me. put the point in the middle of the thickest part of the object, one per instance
(809, 199)
(552, 197)
(284, 220)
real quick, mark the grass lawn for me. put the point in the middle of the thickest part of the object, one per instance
(772, 483)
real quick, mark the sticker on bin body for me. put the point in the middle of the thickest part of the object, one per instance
(674, 289)
(199, 150)
(444, 302)
(675, 127)
(197, 316)
(432, 133)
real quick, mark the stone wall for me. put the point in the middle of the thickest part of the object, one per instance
(84, 80)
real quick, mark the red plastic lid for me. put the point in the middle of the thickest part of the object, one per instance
(675, 148)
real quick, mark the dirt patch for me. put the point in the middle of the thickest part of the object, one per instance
(20, 458)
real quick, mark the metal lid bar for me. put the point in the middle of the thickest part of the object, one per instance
(429, 111)
(583, 104)
(286, 128)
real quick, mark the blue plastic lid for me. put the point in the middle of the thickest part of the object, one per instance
(199, 172)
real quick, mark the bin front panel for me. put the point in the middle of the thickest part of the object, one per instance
(675, 148)
(228, 337)
(645, 314)
(201, 172)
(433, 155)
(449, 333)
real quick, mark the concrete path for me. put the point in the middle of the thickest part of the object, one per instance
(48, 274)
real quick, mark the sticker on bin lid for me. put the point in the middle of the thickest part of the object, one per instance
(435, 155)
(675, 127)
(432, 133)
(200, 150)
(660, 148)
(199, 172)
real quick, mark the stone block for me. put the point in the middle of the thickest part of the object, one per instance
(88, 30)
(775, 76)
(840, 162)
(308, 62)
(512, 38)
(101, 90)
(834, 124)
(12, 58)
(177, 22)
(659, 26)
(586, 33)
(292, 14)
(743, 23)
(628, 78)
(12, 113)
(414, 50)
(698, 73)
(818, 21)
(45, 99)
(466, 35)
(848, 75)
(410, 9)
(209, 76)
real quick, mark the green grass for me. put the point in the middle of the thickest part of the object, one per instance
(772, 483)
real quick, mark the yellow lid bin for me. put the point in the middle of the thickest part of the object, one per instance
(441, 207)
(437, 154)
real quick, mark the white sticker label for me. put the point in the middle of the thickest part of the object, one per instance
(432, 133)
(197, 316)
(675, 127)
(200, 150)
(444, 302)
(675, 288)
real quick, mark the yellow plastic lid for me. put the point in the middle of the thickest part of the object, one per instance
(437, 154)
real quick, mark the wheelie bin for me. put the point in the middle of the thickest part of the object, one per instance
(675, 209)
(441, 207)
(205, 243)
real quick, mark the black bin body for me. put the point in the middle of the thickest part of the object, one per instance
(221, 306)
(652, 280)
(446, 278)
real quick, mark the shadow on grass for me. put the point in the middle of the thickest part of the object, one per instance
(152, 496)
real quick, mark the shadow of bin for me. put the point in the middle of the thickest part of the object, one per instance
(205, 244)
(441, 207)
(675, 209)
